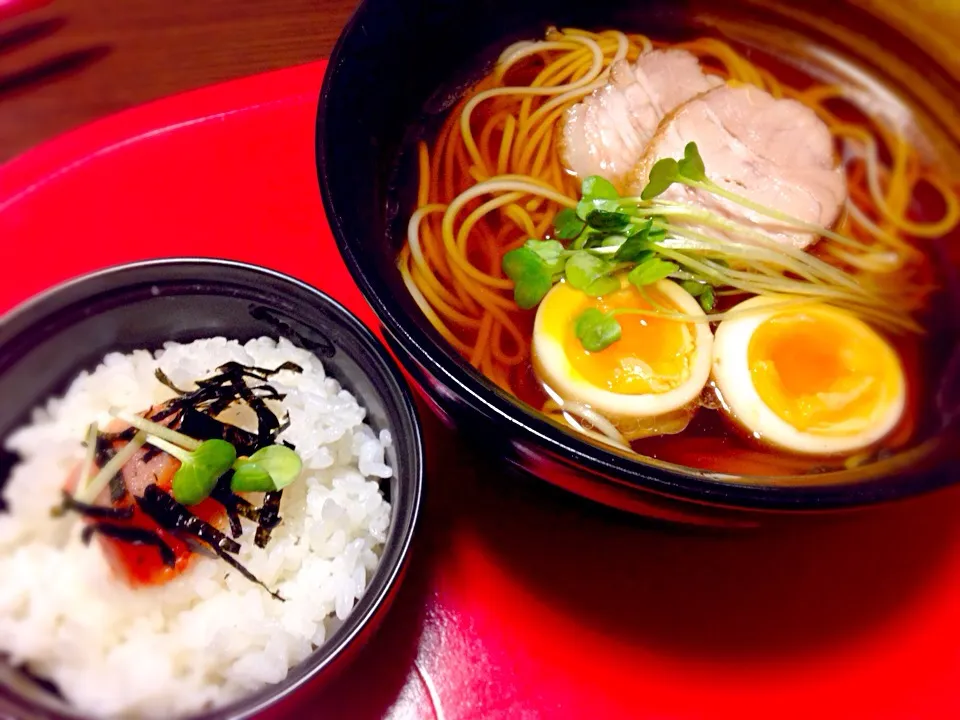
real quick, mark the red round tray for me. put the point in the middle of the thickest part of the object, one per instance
(521, 601)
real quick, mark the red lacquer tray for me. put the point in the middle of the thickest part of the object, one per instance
(521, 601)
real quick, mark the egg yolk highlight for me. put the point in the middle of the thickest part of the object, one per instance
(653, 355)
(822, 371)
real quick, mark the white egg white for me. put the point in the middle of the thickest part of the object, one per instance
(554, 367)
(733, 378)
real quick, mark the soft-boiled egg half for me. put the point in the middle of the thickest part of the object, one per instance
(658, 367)
(809, 378)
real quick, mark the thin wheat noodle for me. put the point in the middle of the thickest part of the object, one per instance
(428, 311)
(421, 264)
(466, 132)
(442, 308)
(501, 355)
(463, 233)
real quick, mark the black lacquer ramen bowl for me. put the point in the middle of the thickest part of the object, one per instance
(399, 66)
(48, 340)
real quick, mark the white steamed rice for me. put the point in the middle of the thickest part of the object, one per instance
(210, 636)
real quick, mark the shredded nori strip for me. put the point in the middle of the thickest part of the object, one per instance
(41, 682)
(236, 529)
(121, 436)
(233, 562)
(98, 512)
(268, 392)
(232, 375)
(269, 517)
(235, 505)
(161, 376)
(215, 394)
(103, 453)
(105, 450)
(196, 546)
(118, 488)
(132, 535)
(201, 426)
(233, 502)
(171, 515)
(257, 372)
(225, 496)
(150, 452)
(267, 424)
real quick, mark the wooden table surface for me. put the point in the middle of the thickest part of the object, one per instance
(66, 62)
(71, 61)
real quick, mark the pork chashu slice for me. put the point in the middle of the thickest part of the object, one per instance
(608, 131)
(777, 153)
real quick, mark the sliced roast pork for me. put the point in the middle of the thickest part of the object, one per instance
(608, 131)
(776, 153)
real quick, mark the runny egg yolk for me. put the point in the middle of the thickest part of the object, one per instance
(822, 370)
(653, 354)
(647, 381)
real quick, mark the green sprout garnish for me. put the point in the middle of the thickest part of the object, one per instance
(250, 477)
(89, 492)
(530, 274)
(702, 291)
(689, 169)
(596, 329)
(650, 271)
(651, 239)
(567, 224)
(591, 273)
(199, 469)
(202, 464)
(270, 468)
(90, 441)
(157, 430)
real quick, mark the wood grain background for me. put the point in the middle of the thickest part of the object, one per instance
(71, 61)
(75, 60)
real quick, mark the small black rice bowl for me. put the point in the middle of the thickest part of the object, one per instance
(46, 342)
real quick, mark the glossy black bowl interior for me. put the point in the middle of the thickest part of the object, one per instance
(45, 343)
(396, 71)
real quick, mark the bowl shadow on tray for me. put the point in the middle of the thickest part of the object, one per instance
(748, 595)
